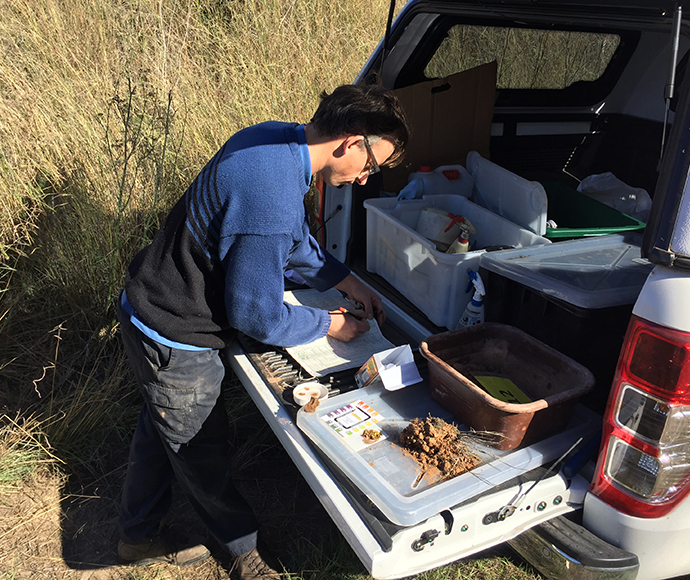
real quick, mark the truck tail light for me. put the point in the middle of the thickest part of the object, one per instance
(644, 463)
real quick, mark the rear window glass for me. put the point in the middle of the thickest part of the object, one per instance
(527, 58)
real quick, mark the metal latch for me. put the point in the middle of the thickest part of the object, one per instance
(426, 538)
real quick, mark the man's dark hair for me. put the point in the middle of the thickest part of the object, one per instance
(369, 110)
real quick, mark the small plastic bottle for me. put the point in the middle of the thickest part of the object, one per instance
(474, 312)
(462, 244)
(459, 246)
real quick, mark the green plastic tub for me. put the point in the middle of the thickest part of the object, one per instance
(579, 216)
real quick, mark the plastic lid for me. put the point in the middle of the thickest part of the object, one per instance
(303, 393)
(521, 201)
(595, 272)
(425, 168)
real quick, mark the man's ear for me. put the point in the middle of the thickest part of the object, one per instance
(353, 141)
(345, 143)
(341, 147)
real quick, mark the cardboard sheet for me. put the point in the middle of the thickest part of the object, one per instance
(449, 117)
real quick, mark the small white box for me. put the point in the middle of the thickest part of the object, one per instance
(433, 281)
(395, 368)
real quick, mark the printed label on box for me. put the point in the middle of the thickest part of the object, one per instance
(357, 424)
(367, 373)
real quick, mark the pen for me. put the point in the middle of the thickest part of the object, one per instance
(346, 311)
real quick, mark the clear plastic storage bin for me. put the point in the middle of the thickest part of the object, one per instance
(390, 478)
(435, 282)
(576, 296)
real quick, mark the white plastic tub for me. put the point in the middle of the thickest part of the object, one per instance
(433, 281)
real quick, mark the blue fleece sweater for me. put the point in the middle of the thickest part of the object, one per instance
(216, 266)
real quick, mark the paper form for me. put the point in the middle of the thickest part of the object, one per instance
(327, 355)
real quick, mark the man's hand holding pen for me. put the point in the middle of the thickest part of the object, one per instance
(347, 325)
(358, 313)
(363, 297)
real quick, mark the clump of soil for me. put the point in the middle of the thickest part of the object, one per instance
(312, 405)
(438, 447)
(371, 436)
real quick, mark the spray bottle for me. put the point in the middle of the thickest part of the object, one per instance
(474, 313)
(462, 244)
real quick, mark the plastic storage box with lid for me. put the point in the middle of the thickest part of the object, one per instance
(435, 282)
(575, 296)
(577, 215)
(550, 379)
(390, 478)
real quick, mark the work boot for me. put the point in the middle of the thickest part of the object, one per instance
(252, 566)
(163, 549)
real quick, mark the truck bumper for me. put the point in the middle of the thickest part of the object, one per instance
(561, 549)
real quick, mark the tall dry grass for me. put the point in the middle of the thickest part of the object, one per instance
(108, 109)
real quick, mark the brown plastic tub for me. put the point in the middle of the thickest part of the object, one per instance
(550, 379)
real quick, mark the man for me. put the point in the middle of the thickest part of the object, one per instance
(216, 268)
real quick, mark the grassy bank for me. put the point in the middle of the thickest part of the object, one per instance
(108, 108)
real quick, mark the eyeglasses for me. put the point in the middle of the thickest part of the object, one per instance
(374, 166)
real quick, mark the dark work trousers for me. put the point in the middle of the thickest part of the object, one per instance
(183, 434)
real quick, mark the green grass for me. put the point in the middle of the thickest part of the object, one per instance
(24, 450)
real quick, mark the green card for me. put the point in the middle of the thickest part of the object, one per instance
(502, 388)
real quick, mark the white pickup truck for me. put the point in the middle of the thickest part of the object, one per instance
(583, 88)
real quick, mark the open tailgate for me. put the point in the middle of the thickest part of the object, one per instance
(525, 486)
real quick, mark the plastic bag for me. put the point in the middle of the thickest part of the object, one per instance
(413, 190)
(608, 189)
